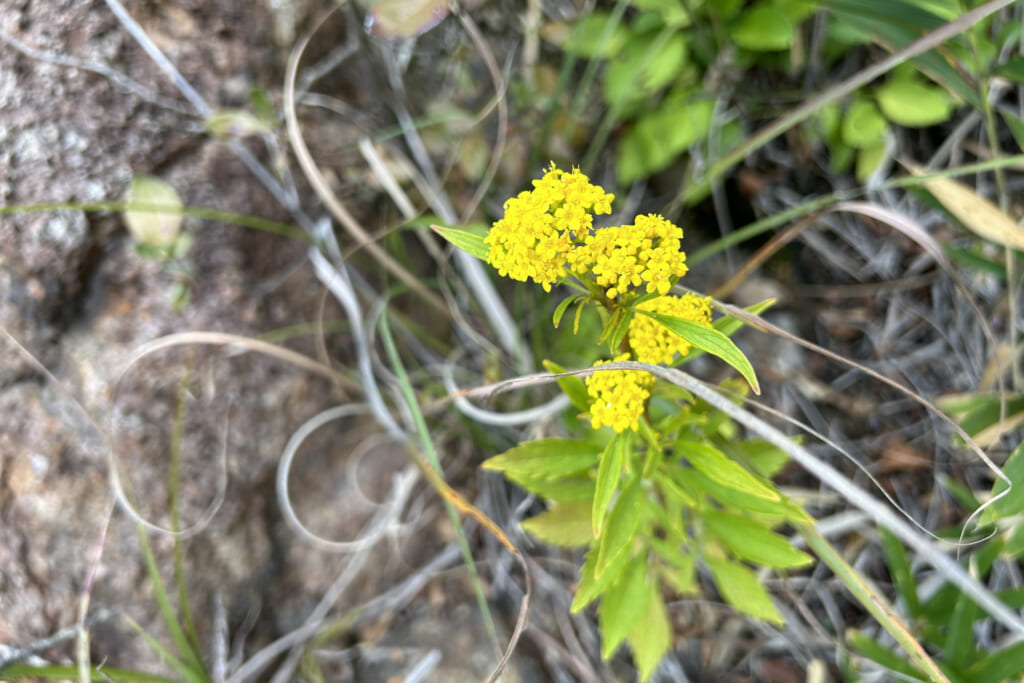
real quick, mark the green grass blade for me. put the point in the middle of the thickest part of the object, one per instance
(427, 445)
(244, 220)
(55, 672)
(174, 500)
(164, 603)
(871, 600)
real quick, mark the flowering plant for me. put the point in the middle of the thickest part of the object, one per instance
(662, 483)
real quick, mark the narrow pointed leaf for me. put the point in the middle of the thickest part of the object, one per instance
(590, 586)
(623, 606)
(740, 588)
(546, 458)
(608, 473)
(623, 521)
(714, 464)
(470, 241)
(752, 541)
(651, 638)
(711, 341)
(566, 525)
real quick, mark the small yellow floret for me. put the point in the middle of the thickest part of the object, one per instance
(617, 397)
(629, 256)
(534, 238)
(651, 341)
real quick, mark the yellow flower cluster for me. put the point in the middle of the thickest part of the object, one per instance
(631, 255)
(548, 232)
(537, 233)
(618, 397)
(651, 341)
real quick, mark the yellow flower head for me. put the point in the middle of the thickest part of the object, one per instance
(536, 234)
(617, 397)
(628, 256)
(651, 341)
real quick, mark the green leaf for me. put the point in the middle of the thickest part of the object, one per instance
(651, 637)
(573, 387)
(896, 25)
(623, 606)
(899, 569)
(780, 510)
(868, 160)
(715, 465)
(672, 12)
(1012, 69)
(1013, 503)
(235, 123)
(960, 634)
(982, 415)
(546, 458)
(614, 321)
(752, 541)
(623, 521)
(1015, 125)
(590, 586)
(741, 588)
(878, 653)
(470, 241)
(1002, 665)
(914, 104)
(57, 672)
(672, 489)
(596, 35)
(727, 325)
(765, 458)
(569, 490)
(659, 137)
(680, 569)
(709, 340)
(563, 306)
(863, 125)
(157, 222)
(566, 525)
(608, 473)
(646, 65)
(763, 29)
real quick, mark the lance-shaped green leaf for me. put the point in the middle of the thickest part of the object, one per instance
(623, 521)
(715, 465)
(711, 341)
(470, 240)
(1011, 503)
(563, 306)
(608, 473)
(781, 510)
(752, 541)
(573, 489)
(740, 588)
(566, 525)
(590, 586)
(546, 458)
(573, 387)
(651, 638)
(623, 606)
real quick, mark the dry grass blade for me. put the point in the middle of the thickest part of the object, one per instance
(977, 213)
(323, 190)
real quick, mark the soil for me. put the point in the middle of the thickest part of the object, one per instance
(76, 301)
